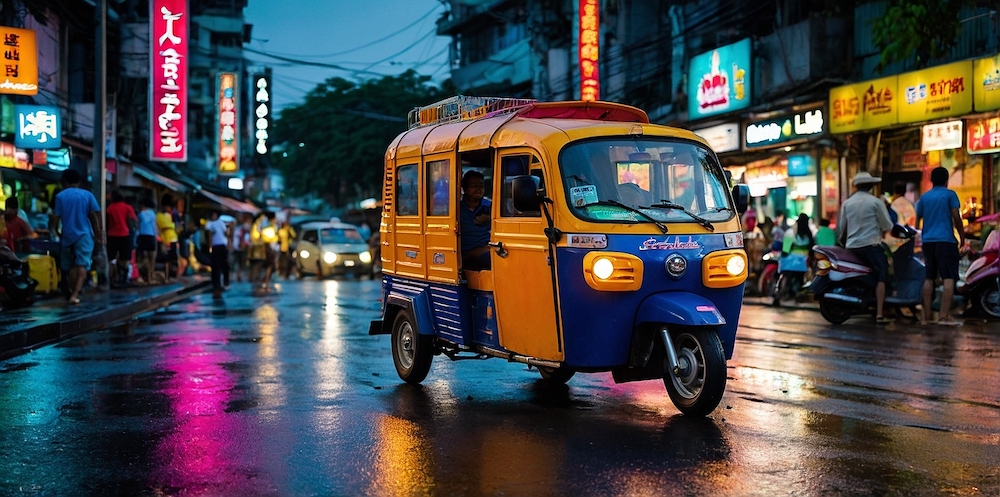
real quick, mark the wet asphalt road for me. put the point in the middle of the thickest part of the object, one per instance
(286, 394)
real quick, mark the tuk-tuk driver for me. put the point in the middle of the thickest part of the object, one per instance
(475, 222)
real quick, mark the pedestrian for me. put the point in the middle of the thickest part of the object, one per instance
(285, 236)
(240, 245)
(264, 244)
(219, 235)
(122, 222)
(18, 233)
(78, 214)
(168, 235)
(825, 235)
(146, 241)
(778, 231)
(938, 210)
(863, 222)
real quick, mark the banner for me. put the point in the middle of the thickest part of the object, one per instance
(984, 135)
(941, 136)
(719, 80)
(986, 89)
(38, 127)
(784, 129)
(866, 105)
(20, 62)
(936, 92)
(228, 150)
(588, 47)
(168, 74)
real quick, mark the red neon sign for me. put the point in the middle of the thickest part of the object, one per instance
(588, 48)
(168, 75)
(229, 159)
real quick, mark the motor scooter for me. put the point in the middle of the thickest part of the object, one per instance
(844, 285)
(17, 288)
(768, 280)
(982, 279)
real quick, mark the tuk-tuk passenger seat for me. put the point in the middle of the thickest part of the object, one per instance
(479, 280)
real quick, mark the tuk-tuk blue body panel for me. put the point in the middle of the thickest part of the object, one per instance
(598, 325)
(438, 309)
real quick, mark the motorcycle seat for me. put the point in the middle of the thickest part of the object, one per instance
(844, 255)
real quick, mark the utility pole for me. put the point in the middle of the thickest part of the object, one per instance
(98, 168)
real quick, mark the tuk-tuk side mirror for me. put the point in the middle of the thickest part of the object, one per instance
(741, 195)
(525, 193)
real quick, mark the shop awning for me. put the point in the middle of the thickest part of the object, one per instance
(160, 179)
(230, 204)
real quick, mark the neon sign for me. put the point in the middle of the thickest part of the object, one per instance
(38, 127)
(262, 96)
(229, 157)
(169, 77)
(588, 47)
(20, 61)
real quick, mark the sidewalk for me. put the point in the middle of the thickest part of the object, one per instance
(51, 319)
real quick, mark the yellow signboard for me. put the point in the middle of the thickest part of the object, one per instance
(18, 61)
(865, 105)
(987, 83)
(941, 91)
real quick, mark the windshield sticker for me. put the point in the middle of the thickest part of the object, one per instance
(588, 241)
(612, 213)
(734, 240)
(583, 195)
(667, 244)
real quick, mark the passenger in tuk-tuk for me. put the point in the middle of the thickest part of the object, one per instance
(475, 222)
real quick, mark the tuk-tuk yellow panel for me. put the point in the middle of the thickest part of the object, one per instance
(412, 143)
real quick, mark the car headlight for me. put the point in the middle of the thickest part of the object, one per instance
(304, 254)
(365, 257)
(329, 257)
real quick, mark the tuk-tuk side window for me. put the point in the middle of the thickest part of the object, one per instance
(438, 187)
(406, 190)
(512, 166)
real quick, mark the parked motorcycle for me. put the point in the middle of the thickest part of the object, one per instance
(982, 279)
(768, 280)
(17, 288)
(844, 285)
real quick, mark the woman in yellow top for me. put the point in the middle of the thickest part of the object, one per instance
(168, 237)
(285, 236)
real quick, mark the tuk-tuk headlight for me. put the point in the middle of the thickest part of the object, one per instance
(329, 257)
(365, 257)
(612, 271)
(724, 268)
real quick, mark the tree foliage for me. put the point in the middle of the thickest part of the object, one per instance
(333, 143)
(923, 29)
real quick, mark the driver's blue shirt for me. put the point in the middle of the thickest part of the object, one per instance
(474, 235)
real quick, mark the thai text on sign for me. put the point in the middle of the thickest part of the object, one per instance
(984, 135)
(935, 92)
(589, 48)
(20, 62)
(228, 149)
(169, 78)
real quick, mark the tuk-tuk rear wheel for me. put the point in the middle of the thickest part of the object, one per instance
(697, 387)
(411, 352)
(556, 375)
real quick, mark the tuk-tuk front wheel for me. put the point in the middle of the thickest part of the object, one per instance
(696, 387)
(411, 352)
(556, 375)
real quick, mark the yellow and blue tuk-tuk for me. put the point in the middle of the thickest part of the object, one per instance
(614, 245)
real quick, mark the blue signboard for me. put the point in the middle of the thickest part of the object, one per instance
(719, 80)
(799, 164)
(38, 127)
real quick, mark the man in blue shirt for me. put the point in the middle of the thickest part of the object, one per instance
(81, 227)
(938, 209)
(475, 222)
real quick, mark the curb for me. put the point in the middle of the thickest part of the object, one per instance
(23, 341)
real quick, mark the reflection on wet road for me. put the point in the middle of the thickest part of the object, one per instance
(286, 394)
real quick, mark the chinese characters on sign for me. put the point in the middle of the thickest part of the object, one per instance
(229, 157)
(262, 111)
(588, 48)
(941, 136)
(38, 126)
(19, 74)
(169, 78)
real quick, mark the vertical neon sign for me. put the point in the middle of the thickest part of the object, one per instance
(228, 151)
(168, 75)
(588, 48)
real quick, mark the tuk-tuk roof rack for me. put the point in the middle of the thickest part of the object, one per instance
(463, 108)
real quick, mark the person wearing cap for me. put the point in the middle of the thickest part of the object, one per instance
(863, 221)
(938, 209)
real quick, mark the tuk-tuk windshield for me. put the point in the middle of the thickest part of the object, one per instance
(652, 175)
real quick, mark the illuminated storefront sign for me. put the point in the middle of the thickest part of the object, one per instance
(262, 113)
(941, 136)
(937, 92)
(588, 47)
(228, 151)
(800, 165)
(169, 80)
(719, 80)
(20, 62)
(865, 105)
(986, 89)
(722, 138)
(13, 158)
(38, 126)
(984, 136)
(784, 129)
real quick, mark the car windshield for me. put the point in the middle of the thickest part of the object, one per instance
(609, 179)
(340, 235)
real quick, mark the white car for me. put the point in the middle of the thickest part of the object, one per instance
(326, 249)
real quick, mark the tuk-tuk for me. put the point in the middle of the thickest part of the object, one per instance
(614, 245)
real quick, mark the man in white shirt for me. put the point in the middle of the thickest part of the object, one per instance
(221, 238)
(864, 220)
